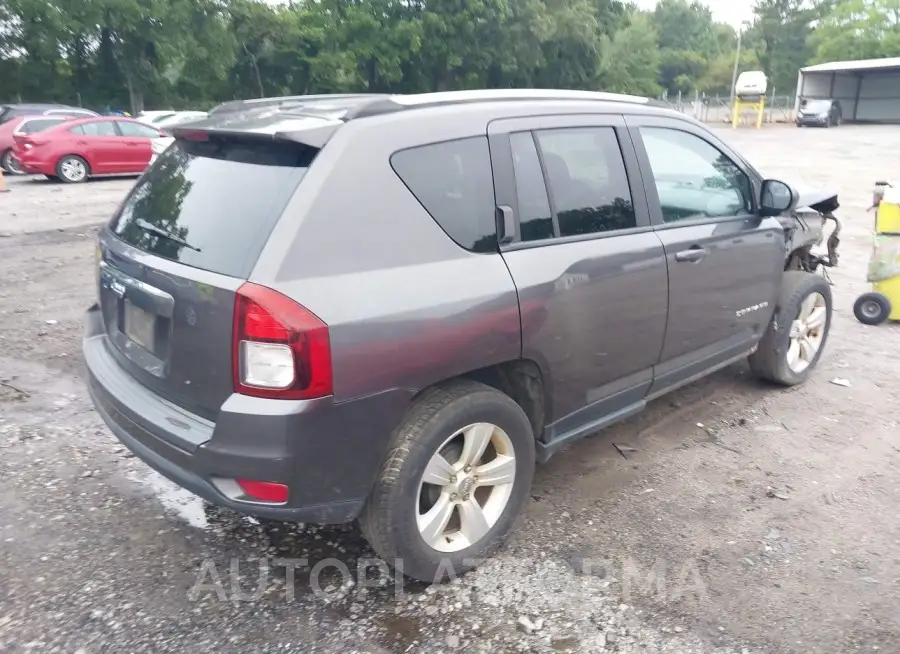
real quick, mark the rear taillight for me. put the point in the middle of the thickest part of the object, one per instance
(192, 134)
(281, 350)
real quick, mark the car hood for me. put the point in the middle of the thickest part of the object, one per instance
(817, 199)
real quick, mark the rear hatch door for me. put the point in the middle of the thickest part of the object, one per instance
(182, 243)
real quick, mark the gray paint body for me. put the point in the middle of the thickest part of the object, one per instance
(610, 319)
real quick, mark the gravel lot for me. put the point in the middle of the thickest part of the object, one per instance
(771, 528)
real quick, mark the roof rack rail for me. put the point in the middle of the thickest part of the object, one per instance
(396, 103)
(278, 101)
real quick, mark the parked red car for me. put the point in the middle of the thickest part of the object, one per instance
(24, 124)
(79, 149)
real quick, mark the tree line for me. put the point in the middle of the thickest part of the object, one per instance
(138, 54)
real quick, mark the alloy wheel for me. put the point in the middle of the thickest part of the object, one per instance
(466, 487)
(73, 170)
(12, 164)
(807, 333)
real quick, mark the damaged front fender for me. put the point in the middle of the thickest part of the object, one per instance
(820, 200)
(804, 230)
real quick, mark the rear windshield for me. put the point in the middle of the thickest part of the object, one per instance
(217, 199)
(39, 125)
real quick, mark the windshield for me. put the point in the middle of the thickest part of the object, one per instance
(218, 200)
(817, 105)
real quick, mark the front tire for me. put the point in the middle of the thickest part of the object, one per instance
(458, 472)
(872, 308)
(796, 337)
(72, 169)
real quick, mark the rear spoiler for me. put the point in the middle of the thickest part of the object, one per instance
(314, 137)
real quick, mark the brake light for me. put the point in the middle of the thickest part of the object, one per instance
(193, 135)
(29, 143)
(281, 349)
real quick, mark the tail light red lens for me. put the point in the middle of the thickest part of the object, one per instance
(281, 349)
(264, 491)
(192, 134)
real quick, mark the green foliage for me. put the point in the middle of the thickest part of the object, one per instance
(195, 53)
(858, 29)
(780, 34)
(631, 59)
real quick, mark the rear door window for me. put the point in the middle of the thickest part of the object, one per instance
(136, 129)
(98, 128)
(535, 217)
(454, 182)
(588, 183)
(218, 201)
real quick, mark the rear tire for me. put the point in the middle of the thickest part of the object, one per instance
(872, 308)
(401, 518)
(793, 344)
(72, 169)
(10, 164)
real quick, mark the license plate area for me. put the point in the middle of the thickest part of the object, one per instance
(138, 318)
(139, 326)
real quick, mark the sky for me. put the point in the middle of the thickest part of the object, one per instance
(724, 11)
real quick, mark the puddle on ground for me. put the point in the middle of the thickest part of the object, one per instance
(177, 500)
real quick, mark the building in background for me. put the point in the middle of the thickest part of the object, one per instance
(868, 90)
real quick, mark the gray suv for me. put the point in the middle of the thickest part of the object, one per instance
(389, 308)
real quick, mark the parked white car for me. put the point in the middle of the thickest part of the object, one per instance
(149, 117)
(159, 145)
(178, 118)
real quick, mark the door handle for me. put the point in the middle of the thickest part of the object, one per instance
(507, 224)
(695, 253)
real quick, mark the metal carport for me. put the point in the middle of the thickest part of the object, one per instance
(868, 89)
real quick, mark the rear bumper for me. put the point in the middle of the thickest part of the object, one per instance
(812, 121)
(32, 164)
(327, 454)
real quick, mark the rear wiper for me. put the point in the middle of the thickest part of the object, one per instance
(159, 231)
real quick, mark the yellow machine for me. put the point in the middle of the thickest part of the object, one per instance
(883, 302)
(740, 106)
(749, 94)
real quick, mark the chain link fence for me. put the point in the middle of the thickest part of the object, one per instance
(718, 109)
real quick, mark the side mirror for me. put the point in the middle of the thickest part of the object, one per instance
(777, 198)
